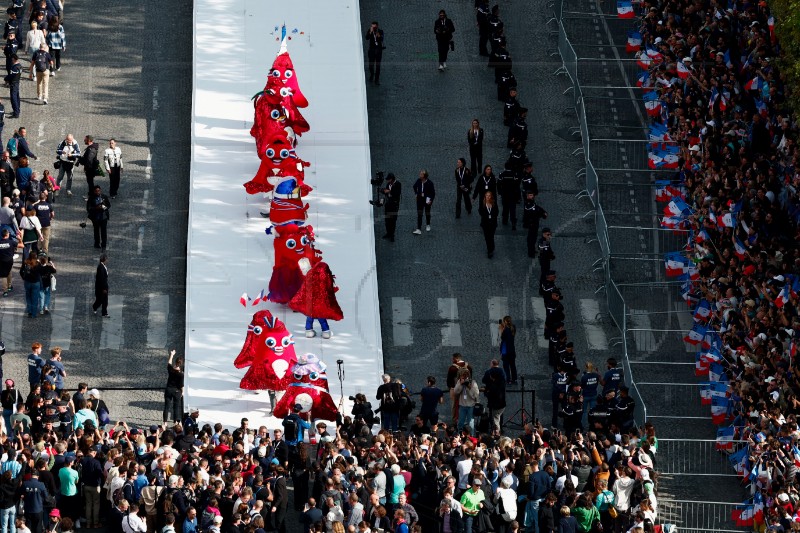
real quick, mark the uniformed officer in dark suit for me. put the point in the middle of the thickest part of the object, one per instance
(560, 383)
(517, 158)
(482, 14)
(511, 107)
(500, 59)
(528, 181)
(518, 132)
(532, 213)
(546, 254)
(391, 205)
(504, 84)
(374, 37)
(13, 77)
(495, 24)
(508, 186)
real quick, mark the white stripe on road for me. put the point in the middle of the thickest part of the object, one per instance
(111, 333)
(401, 321)
(62, 311)
(451, 329)
(13, 311)
(686, 322)
(498, 308)
(157, 321)
(645, 340)
(539, 316)
(595, 336)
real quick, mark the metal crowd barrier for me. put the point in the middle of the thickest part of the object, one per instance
(693, 515)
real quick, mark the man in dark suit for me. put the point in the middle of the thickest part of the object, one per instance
(392, 204)
(425, 193)
(280, 501)
(444, 29)
(374, 37)
(97, 207)
(90, 162)
(101, 287)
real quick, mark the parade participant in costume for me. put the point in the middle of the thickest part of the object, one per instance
(309, 388)
(295, 255)
(317, 300)
(283, 69)
(269, 351)
(287, 206)
(276, 112)
(279, 160)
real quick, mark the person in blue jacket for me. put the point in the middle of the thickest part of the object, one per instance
(34, 493)
(35, 365)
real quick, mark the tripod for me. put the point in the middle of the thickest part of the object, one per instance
(521, 416)
(340, 373)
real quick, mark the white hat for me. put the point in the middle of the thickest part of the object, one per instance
(687, 59)
(218, 519)
(95, 393)
(658, 39)
(694, 148)
(645, 460)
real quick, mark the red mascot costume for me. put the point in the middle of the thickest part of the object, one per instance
(295, 255)
(269, 351)
(317, 299)
(309, 388)
(278, 162)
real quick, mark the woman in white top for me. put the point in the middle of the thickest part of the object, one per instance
(31, 232)
(112, 159)
(33, 40)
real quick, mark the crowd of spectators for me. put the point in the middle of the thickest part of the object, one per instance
(722, 99)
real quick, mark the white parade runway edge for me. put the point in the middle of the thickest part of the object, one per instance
(228, 251)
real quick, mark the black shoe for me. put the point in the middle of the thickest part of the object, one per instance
(377, 82)
(371, 77)
(97, 246)
(387, 236)
(391, 239)
(458, 216)
(491, 254)
(513, 227)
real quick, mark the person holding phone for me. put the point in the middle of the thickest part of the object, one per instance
(425, 194)
(173, 393)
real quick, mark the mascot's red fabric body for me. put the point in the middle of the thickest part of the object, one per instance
(295, 255)
(276, 112)
(278, 161)
(317, 297)
(269, 352)
(283, 69)
(309, 388)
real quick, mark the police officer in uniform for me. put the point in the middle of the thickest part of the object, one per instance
(9, 50)
(511, 107)
(504, 84)
(553, 310)
(517, 158)
(12, 79)
(391, 205)
(500, 58)
(554, 336)
(527, 179)
(495, 24)
(508, 186)
(482, 14)
(560, 383)
(531, 214)
(546, 255)
(374, 37)
(518, 132)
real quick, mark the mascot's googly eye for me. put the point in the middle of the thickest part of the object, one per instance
(270, 342)
(275, 114)
(297, 376)
(276, 73)
(257, 330)
(289, 73)
(284, 153)
(304, 240)
(271, 152)
(285, 92)
(313, 376)
(286, 341)
(291, 244)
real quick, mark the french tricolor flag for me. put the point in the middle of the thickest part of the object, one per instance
(719, 410)
(672, 222)
(712, 356)
(796, 456)
(677, 206)
(634, 43)
(662, 194)
(262, 297)
(643, 79)
(675, 264)
(244, 298)
(744, 515)
(683, 72)
(716, 372)
(712, 101)
(703, 311)
(705, 393)
(700, 366)
(625, 10)
(652, 104)
(753, 85)
(783, 297)
(761, 107)
(725, 438)
(701, 236)
(659, 133)
(771, 26)
(728, 220)
(644, 61)
(740, 461)
(696, 335)
(739, 249)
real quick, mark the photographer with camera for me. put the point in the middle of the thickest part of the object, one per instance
(391, 204)
(362, 410)
(389, 395)
(467, 392)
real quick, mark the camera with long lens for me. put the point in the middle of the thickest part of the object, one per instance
(377, 195)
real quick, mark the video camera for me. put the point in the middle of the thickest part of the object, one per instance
(376, 182)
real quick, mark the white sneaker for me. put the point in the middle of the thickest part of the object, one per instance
(326, 334)
(441, 67)
(445, 65)
(69, 193)
(52, 73)
(311, 333)
(417, 232)
(428, 227)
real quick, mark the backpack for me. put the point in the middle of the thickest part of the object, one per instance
(388, 401)
(167, 505)
(206, 520)
(41, 61)
(11, 146)
(290, 428)
(25, 271)
(118, 496)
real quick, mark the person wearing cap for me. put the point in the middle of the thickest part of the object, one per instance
(546, 255)
(532, 213)
(295, 427)
(35, 494)
(472, 502)
(391, 205)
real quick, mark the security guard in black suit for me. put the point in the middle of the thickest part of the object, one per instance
(482, 14)
(546, 255)
(511, 107)
(508, 187)
(374, 37)
(532, 213)
(528, 180)
(391, 205)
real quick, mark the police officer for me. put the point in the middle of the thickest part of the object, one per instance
(527, 179)
(391, 205)
(508, 186)
(546, 254)
(13, 77)
(11, 30)
(500, 58)
(554, 336)
(495, 24)
(612, 379)
(554, 311)
(517, 158)
(504, 84)
(625, 407)
(9, 49)
(511, 107)
(518, 132)
(560, 383)
(572, 409)
(568, 361)
(374, 37)
(482, 14)
(531, 214)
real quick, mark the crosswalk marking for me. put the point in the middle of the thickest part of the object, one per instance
(157, 321)
(686, 323)
(498, 308)
(645, 340)
(451, 329)
(401, 321)
(111, 333)
(13, 310)
(595, 336)
(539, 316)
(61, 313)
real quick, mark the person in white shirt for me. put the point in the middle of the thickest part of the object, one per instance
(463, 468)
(131, 523)
(335, 514)
(112, 159)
